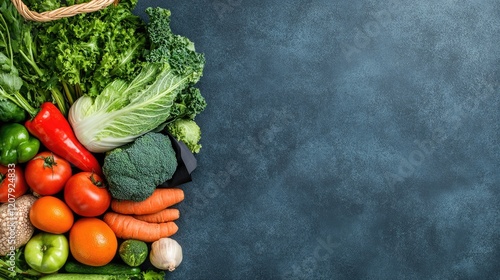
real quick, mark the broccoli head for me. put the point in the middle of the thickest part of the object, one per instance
(133, 171)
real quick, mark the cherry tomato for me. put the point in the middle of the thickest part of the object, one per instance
(12, 183)
(46, 173)
(87, 195)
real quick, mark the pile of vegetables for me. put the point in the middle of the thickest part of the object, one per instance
(91, 110)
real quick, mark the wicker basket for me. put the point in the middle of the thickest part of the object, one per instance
(91, 6)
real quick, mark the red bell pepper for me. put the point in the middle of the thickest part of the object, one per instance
(55, 133)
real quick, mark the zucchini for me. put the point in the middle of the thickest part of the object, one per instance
(81, 276)
(111, 269)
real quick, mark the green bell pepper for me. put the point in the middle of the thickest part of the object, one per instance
(16, 144)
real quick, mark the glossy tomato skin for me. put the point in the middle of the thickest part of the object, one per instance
(87, 195)
(12, 180)
(47, 173)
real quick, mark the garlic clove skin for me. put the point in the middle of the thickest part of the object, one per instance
(166, 254)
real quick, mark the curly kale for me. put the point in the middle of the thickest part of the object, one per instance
(187, 104)
(179, 54)
(135, 170)
(166, 47)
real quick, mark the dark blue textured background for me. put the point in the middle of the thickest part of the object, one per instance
(344, 140)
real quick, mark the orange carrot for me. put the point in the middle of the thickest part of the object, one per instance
(127, 227)
(165, 215)
(159, 200)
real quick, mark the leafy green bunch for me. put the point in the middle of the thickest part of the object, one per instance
(20, 71)
(89, 50)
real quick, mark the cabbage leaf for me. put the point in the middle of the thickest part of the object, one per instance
(125, 111)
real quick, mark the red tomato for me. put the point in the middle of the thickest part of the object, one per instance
(86, 194)
(47, 173)
(12, 183)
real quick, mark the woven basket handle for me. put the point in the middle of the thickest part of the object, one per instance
(92, 6)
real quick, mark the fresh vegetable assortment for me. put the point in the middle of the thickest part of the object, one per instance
(93, 109)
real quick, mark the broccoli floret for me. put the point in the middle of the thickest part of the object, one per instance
(135, 170)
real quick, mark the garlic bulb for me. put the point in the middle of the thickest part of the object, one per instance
(166, 254)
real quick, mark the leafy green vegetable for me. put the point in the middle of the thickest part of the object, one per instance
(9, 76)
(188, 103)
(167, 47)
(188, 132)
(10, 80)
(125, 110)
(10, 112)
(90, 50)
(13, 266)
(133, 171)
(23, 70)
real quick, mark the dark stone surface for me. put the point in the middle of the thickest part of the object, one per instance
(344, 140)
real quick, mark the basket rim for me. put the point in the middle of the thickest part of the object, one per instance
(62, 12)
